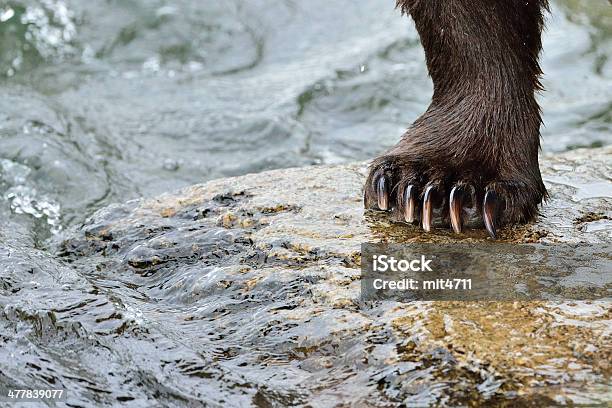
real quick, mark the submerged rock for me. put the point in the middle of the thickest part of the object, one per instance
(246, 291)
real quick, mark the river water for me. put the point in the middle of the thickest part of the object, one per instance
(106, 101)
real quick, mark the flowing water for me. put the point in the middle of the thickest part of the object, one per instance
(106, 101)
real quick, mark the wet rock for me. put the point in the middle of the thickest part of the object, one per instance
(251, 286)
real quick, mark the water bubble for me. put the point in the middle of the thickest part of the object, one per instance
(171, 164)
(6, 15)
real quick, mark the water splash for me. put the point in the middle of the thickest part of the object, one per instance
(45, 30)
(24, 197)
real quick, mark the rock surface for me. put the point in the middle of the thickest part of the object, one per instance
(246, 291)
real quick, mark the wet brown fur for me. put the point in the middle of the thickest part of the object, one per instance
(482, 128)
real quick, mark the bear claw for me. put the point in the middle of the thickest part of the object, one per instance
(408, 206)
(489, 213)
(456, 208)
